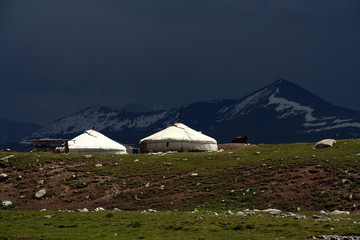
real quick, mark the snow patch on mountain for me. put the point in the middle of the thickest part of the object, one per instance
(342, 125)
(244, 106)
(319, 124)
(145, 121)
(342, 120)
(288, 108)
(250, 101)
(103, 119)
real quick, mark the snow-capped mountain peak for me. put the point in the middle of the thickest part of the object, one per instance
(279, 112)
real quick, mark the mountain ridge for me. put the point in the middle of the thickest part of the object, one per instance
(280, 112)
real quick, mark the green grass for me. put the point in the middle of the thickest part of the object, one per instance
(342, 154)
(250, 177)
(164, 225)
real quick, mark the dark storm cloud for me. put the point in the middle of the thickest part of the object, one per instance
(59, 56)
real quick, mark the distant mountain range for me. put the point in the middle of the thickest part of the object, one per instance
(12, 132)
(279, 113)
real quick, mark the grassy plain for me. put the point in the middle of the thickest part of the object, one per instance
(165, 225)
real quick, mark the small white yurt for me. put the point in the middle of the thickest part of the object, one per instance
(180, 138)
(94, 142)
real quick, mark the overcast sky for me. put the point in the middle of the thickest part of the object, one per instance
(57, 57)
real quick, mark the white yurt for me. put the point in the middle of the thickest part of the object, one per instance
(94, 142)
(178, 137)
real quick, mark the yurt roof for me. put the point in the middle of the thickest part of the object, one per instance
(179, 132)
(92, 139)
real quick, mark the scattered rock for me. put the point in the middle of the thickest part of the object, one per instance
(292, 215)
(43, 210)
(48, 216)
(214, 214)
(6, 159)
(88, 156)
(194, 174)
(99, 209)
(83, 210)
(336, 212)
(335, 237)
(321, 218)
(98, 165)
(41, 182)
(116, 210)
(229, 213)
(136, 160)
(40, 193)
(240, 214)
(249, 212)
(3, 177)
(151, 210)
(6, 203)
(272, 211)
(147, 185)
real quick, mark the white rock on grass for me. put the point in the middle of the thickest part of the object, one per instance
(6, 159)
(272, 211)
(292, 215)
(3, 176)
(6, 203)
(40, 193)
(229, 213)
(321, 218)
(336, 212)
(83, 210)
(240, 214)
(99, 209)
(98, 165)
(324, 143)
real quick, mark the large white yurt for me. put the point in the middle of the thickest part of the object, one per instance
(94, 142)
(178, 137)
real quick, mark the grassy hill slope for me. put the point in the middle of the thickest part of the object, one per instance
(286, 176)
